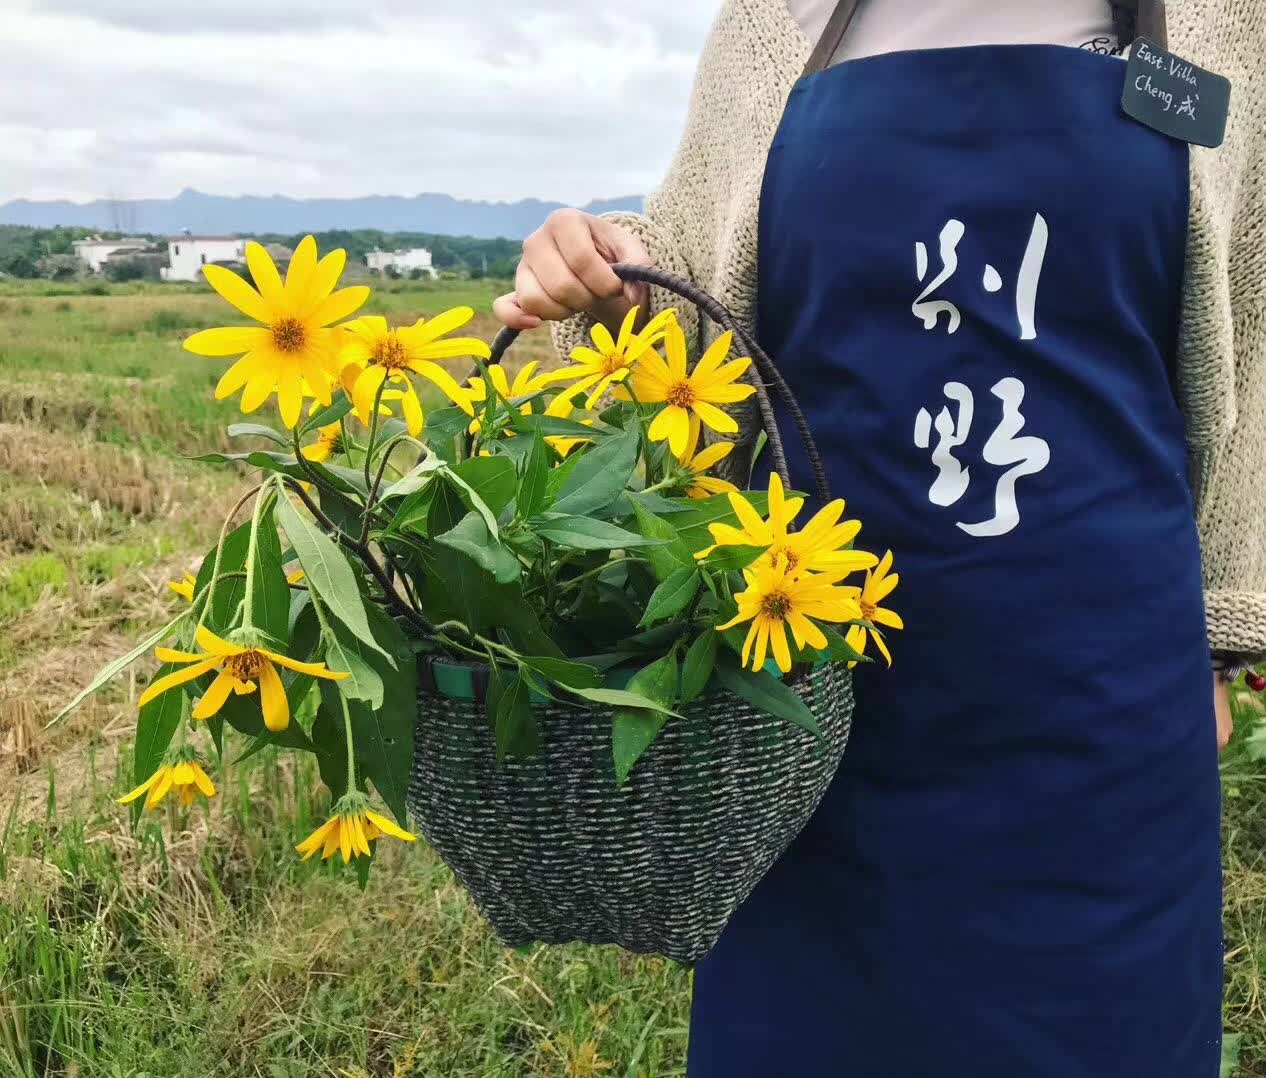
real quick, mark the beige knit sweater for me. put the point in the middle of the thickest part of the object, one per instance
(701, 224)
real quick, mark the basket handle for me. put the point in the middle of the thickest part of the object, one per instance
(769, 373)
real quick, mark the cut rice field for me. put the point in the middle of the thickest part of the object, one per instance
(197, 943)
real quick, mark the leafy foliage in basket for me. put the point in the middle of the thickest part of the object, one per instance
(561, 529)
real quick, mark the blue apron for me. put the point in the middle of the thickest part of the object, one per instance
(970, 273)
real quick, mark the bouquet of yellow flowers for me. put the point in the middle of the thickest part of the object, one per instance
(561, 534)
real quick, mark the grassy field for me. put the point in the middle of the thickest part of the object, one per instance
(197, 944)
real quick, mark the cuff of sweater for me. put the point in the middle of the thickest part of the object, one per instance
(1237, 621)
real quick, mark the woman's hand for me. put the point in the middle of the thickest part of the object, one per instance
(566, 268)
(1222, 706)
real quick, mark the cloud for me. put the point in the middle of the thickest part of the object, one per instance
(483, 98)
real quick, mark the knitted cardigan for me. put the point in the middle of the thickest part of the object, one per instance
(701, 224)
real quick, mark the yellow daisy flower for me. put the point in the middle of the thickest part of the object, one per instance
(184, 586)
(820, 546)
(525, 384)
(693, 395)
(700, 460)
(183, 774)
(376, 353)
(295, 342)
(595, 370)
(879, 585)
(350, 830)
(776, 599)
(240, 668)
(329, 442)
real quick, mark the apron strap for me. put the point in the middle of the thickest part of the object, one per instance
(1148, 21)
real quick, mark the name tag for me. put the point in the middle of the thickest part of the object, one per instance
(1174, 96)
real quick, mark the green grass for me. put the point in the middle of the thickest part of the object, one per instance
(198, 944)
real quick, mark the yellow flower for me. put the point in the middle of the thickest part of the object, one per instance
(296, 344)
(297, 577)
(701, 461)
(689, 396)
(329, 442)
(184, 587)
(776, 599)
(240, 668)
(525, 384)
(879, 585)
(820, 546)
(350, 830)
(377, 353)
(183, 774)
(595, 370)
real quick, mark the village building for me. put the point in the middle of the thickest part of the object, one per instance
(95, 251)
(187, 254)
(403, 262)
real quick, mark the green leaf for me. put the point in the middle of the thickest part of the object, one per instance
(558, 476)
(340, 407)
(345, 653)
(563, 672)
(383, 736)
(552, 426)
(112, 669)
(271, 609)
(229, 594)
(673, 554)
(624, 698)
(534, 487)
(444, 427)
(416, 478)
(601, 475)
(156, 725)
(733, 559)
(343, 479)
(472, 539)
(700, 662)
(672, 596)
(635, 729)
(474, 500)
(692, 522)
(327, 571)
(584, 533)
(838, 648)
(329, 742)
(492, 479)
(517, 731)
(256, 430)
(765, 692)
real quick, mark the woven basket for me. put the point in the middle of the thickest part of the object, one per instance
(552, 850)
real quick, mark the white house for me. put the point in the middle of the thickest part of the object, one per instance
(95, 251)
(403, 262)
(186, 255)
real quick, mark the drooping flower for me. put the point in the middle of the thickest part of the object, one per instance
(609, 362)
(688, 396)
(822, 545)
(880, 583)
(181, 772)
(376, 353)
(350, 830)
(295, 343)
(776, 600)
(240, 669)
(329, 442)
(700, 460)
(184, 586)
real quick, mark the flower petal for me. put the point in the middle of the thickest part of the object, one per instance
(302, 264)
(226, 341)
(713, 417)
(272, 697)
(214, 645)
(264, 273)
(387, 827)
(339, 305)
(213, 699)
(241, 295)
(177, 677)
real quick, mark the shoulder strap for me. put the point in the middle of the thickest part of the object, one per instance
(829, 43)
(1149, 21)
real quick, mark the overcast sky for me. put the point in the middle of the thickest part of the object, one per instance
(498, 99)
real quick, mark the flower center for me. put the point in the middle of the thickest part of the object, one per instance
(332, 441)
(616, 361)
(245, 667)
(786, 555)
(289, 335)
(390, 353)
(868, 610)
(776, 605)
(682, 395)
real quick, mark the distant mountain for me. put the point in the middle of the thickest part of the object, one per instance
(202, 213)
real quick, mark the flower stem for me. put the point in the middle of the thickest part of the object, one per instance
(219, 553)
(373, 436)
(351, 746)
